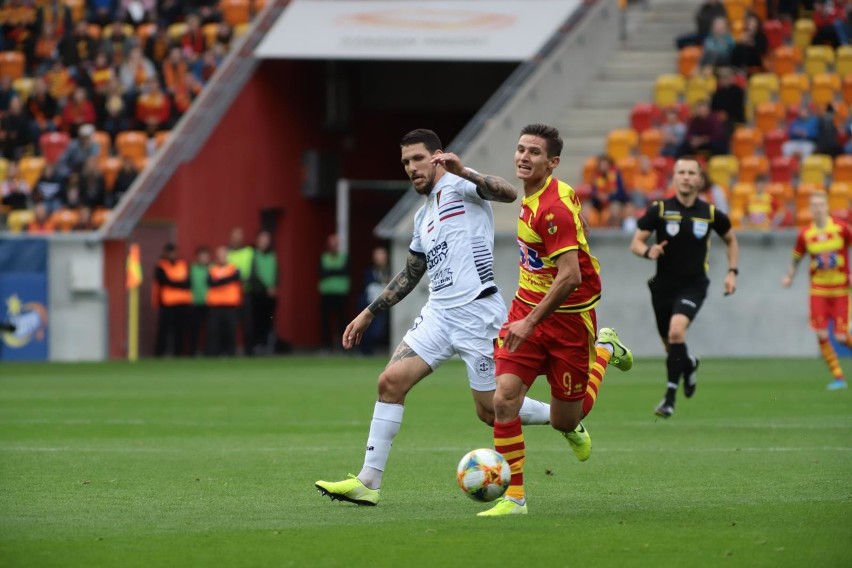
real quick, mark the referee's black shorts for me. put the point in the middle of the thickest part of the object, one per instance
(676, 298)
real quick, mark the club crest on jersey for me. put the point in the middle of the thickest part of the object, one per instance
(551, 228)
(673, 228)
(699, 228)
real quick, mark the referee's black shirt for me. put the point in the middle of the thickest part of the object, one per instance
(687, 230)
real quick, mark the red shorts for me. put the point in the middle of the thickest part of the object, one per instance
(562, 348)
(834, 309)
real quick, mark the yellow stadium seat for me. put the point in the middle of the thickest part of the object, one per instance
(793, 88)
(688, 58)
(815, 168)
(30, 168)
(745, 141)
(126, 29)
(722, 168)
(818, 59)
(668, 89)
(762, 87)
(843, 60)
(843, 168)
(740, 195)
(824, 88)
(621, 143)
(4, 165)
(803, 31)
(17, 221)
(751, 167)
(177, 30)
(700, 88)
(838, 198)
(767, 115)
(23, 86)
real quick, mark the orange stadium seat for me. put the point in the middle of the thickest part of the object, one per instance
(782, 169)
(77, 8)
(736, 9)
(843, 168)
(590, 165)
(802, 195)
(843, 61)
(745, 141)
(753, 166)
(104, 144)
(767, 116)
(11, 64)
(621, 143)
(818, 59)
(780, 191)
(210, 30)
(100, 216)
(803, 31)
(760, 9)
(786, 59)
(65, 219)
(815, 169)
(257, 5)
(774, 31)
(668, 89)
(651, 142)
(838, 199)
(235, 12)
(793, 88)
(141, 163)
(132, 144)
(687, 59)
(94, 31)
(30, 168)
(773, 141)
(53, 144)
(699, 88)
(824, 88)
(721, 169)
(762, 87)
(740, 194)
(109, 169)
(846, 89)
(160, 138)
(644, 116)
(628, 166)
(145, 31)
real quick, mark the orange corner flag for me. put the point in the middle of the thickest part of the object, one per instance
(134, 268)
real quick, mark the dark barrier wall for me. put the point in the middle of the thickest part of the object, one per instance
(23, 292)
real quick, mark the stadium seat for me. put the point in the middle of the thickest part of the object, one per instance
(132, 144)
(815, 169)
(687, 60)
(767, 116)
(773, 141)
(818, 59)
(664, 166)
(783, 192)
(621, 142)
(100, 216)
(761, 9)
(839, 199)
(803, 31)
(4, 165)
(242, 29)
(651, 143)
(843, 62)
(782, 169)
(210, 31)
(745, 141)
(843, 168)
(721, 169)
(762, 87)
(751, 167)
(94, 31)
(774, 31)
(802, 197)
(785, 60)
(160, 138)
(824, 88)
(140, 163)
(23, 86)
(644, 116)
(30, 168)
(740, 194)
(590, 165)
(11, 64)
(17, 220)
(846, 89)
(257, 5)
(65, 219)
(736, 9)
(145, 31)
(668, 89)
(235, 12)
(793, 88)
(628, 166)
(177, 30)
(53, 145)
(127, 29)
(109, 169)
(700, 88)
(77, 8)
(104, 144)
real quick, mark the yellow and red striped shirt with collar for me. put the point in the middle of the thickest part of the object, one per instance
(829, 251)
(548, 226)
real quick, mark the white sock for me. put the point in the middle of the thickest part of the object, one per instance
(387, 418)
(534, 412)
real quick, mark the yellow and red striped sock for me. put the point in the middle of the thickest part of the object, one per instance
(830, 357)
(596, 377)
(509, 441)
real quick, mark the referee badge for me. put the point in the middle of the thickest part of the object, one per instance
(673, 227)
(699, 228)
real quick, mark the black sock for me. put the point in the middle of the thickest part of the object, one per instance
(676, 363)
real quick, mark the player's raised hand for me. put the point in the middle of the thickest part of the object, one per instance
(354, 332)
(449, 162)
(657, 250)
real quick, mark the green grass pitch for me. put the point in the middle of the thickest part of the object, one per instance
(212, 463)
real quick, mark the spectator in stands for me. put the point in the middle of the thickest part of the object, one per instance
(224, 34)
(78, 151)
(718, 45)
(704, 17)
(73, 199)
(193, 41)
(77, 112)
(42, 109)
(102, 12)
(45, 48)
(77, 47)
(704, 133)
(15, 130)
(116, 119)
(763, 212)
(828, 138)
(376, 277)
(185, 93)
(263, 287)
(157, 45)
(101, 75)
(92, 191)
(7, 92)
(751, 48)
(609, 194)
(206, 66)
(829, 18)
(15, 191)
(125, 178)
(206, 10)
(57, 13)
(85, 222)
(136, 12)
(334, 288)
(116, 42)
(169, 11)
(42, 224)
(50, 189)
(728, 102)
(153, 108)
(136, 71)
(714, 193)
(198, 275)
(647, 186)
(60, 82)
(674, 133)
(802, 134)
(175, 69)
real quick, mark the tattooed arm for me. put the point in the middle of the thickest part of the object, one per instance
(492, 188)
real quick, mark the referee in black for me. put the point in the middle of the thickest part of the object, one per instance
(683, 224)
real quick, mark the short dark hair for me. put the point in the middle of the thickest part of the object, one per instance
(689, 158)
(422, 136)
(550, 135)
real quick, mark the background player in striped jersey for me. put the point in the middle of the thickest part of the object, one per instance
(827, 242)
(551, 328)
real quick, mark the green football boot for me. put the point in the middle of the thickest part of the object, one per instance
(622, 357)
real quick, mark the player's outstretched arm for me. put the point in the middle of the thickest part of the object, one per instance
(492, 188)
(639, 246)
(787, 279)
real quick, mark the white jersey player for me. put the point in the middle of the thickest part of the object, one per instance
(453, 241)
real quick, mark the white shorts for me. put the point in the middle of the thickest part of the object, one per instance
(469, 331)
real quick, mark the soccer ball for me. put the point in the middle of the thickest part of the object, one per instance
(483, 475)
